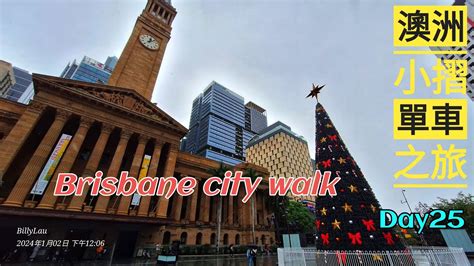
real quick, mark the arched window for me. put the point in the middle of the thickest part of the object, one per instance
(166, 238)
(263, 239)
(183, 238)
(256, 240)
(237, 239)
(213, 239)
(199, 239)
(226, 239)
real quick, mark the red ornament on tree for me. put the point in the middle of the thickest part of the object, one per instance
(388, 238)
(369, 224)
(325, 238)
(327, 163)
(356, 238)
(317, 223)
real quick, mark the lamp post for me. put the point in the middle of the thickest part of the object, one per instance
(409, 208)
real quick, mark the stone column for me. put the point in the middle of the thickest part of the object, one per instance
(258, 199)
(19, 133)
(162, 205)
(205, 205)
(264, 208)
(155, 160)
(245, 218)
(49, 200)
(242, 208)
(177, 207)
(103, 201)
(225, 203)
(215, 203)
(192, 205)
(134, 172)
(28, 177)
(91, 166)
(230, 210)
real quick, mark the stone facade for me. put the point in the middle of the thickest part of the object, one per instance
(112, 129)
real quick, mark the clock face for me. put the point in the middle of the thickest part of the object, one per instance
(149, 42)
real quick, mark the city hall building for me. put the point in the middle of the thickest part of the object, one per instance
(80, 127)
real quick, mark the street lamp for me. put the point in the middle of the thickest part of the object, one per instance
(408, 204)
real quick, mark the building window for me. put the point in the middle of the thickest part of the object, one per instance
(166, 238)
(199, 239)
(226, 239)
(213, 239)
(237, 239)
(183, 238)
(155, 8)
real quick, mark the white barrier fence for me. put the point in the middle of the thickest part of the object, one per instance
(412, 256)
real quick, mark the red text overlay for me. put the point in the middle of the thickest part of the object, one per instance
(229, 185)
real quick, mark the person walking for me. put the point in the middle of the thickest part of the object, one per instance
(249, 256)
(253, 253)
(99, 252)
(231, 250)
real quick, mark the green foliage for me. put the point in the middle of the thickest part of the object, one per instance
(220, 171)
(463, 202)
(414, 240)
(300, 216)
(250, 172)
(209, 249)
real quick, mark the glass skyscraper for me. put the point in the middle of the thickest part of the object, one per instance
(22, 88)
(90, 70)
(221, 126)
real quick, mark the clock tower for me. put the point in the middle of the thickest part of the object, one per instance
(141, 58)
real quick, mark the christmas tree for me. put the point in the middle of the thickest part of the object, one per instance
(350, 220)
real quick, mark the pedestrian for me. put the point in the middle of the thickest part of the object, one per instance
(158, 250)
(99, 252)
(231, 249)
(253, 253)
(249, 256)
(104, 251)
(34, 253)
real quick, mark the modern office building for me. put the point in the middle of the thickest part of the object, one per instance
(282, 152)
(7, 78)
(110, 63)
(221, 125)
(469, 55)
(90, 70)
(255, 117)
(15, 83)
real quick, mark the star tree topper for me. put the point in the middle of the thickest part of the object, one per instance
(315, 91)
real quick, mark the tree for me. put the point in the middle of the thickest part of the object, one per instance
(278, 205)
(300, 217)
(350, 220)
(250, 172)
(219, 172)
(463, 202)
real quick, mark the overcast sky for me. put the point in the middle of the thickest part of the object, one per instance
(267, 51)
